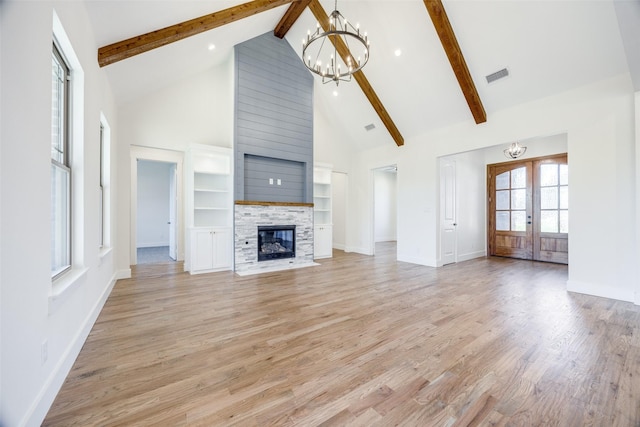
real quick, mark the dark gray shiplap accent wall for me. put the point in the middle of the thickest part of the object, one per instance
(273, 119)
(258, 171)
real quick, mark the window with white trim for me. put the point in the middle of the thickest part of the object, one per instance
(101, 185)
(104, 183)
(60, 165)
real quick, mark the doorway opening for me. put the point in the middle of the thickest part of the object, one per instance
(385, 208)
(156, 214)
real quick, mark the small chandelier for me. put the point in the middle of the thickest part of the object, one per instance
(515, 150)
(326, 62)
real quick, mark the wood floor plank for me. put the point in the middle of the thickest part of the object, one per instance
(357, 340)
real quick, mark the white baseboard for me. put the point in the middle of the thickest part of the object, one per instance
(420, 261)
(52, 385)
(152, 245)
(123, 274)
(339, 246)
(471, 255)
(358, 250)
(599, 290)
(386, 239)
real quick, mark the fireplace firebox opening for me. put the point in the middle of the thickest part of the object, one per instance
(276, 242)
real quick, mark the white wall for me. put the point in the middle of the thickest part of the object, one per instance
(536, 147)
(385, 206)
(330, 143)
(196, 110)
(31, 314)
(153, 203)
(331, 146)
(598, 122)
(471, 186)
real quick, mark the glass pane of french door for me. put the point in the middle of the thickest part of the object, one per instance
(551, 214)
(510, 210)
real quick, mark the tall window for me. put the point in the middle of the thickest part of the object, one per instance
(102, 193)
(60, 166)
(104, 184)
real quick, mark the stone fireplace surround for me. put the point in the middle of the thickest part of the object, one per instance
(250, 214)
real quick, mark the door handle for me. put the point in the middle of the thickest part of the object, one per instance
(455, 224)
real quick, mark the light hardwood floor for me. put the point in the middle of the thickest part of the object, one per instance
(358, 341)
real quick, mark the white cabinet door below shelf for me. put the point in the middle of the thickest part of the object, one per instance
(202, 250)
(222, 248)
(322, 241)
(210, 249)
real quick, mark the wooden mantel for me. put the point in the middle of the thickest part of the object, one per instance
(258, 203)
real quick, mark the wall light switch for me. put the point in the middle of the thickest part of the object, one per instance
(279, 181)
(270, 181)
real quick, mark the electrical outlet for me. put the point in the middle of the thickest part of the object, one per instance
(44, 352)
(270, 181)
(279, 181)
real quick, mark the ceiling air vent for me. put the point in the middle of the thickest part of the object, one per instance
(370, 126)
(497, 75)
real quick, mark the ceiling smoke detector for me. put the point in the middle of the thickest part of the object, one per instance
(369, 127)
(497, 75)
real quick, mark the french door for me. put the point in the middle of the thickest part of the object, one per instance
(529, 210)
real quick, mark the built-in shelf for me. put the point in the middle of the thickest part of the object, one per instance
(323, 234)
(322, 199)
(211, 194)
(210, 209)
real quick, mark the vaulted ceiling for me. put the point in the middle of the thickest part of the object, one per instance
(547, 46)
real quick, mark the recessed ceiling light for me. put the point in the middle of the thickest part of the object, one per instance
(212, 46)
(335, 93)
(398, 52)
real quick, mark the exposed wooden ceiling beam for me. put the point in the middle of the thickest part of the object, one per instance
(459, 65)
(290, 17)
(143, 43)
(343, 50)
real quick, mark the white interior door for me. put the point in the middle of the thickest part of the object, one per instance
(448, 235)
(173, 210)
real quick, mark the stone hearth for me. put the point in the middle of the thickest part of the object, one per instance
(249, 215)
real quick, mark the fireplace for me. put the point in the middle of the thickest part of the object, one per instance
(276, 242)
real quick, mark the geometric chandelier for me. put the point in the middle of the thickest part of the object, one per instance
(320, 55)
(515, 150)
